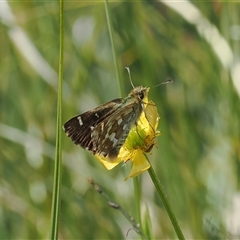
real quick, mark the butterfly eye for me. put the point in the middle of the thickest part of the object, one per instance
(141, 95)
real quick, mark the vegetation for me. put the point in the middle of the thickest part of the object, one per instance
(196, 158)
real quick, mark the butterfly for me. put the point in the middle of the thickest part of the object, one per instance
(104, 129)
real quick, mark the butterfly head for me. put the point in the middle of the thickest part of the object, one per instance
(140, 93)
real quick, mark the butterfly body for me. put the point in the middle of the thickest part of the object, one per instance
(104, 129)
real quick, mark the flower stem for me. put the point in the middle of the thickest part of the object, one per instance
(165, 201)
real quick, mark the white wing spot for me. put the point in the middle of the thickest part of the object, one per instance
(91, 127)
(102, 126)
(113, 139)
(107, 136)
(80, 120)
(112, 136)
(96, 115)
(119, 121)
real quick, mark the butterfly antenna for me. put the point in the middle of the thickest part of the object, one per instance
(129, 74)
(165, 82)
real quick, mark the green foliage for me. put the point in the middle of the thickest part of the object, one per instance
(197, 154)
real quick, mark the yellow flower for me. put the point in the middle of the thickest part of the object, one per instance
(140, 140)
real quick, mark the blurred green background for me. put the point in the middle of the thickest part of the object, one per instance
(197, 44)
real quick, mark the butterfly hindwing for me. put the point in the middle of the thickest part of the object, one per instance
(110, 135)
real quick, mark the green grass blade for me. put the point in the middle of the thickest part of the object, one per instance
(113, 47)
(56, 201)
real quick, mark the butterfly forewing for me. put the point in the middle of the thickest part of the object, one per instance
(80, 128)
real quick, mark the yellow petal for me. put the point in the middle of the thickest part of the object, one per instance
(108, 163)
(152, 115)
(139, 164)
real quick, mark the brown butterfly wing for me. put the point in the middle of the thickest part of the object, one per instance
(80, 127)
(110, 134)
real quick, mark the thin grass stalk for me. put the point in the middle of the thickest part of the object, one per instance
(135, 180)
(56, 201)
(137, 194)
(110, 30)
